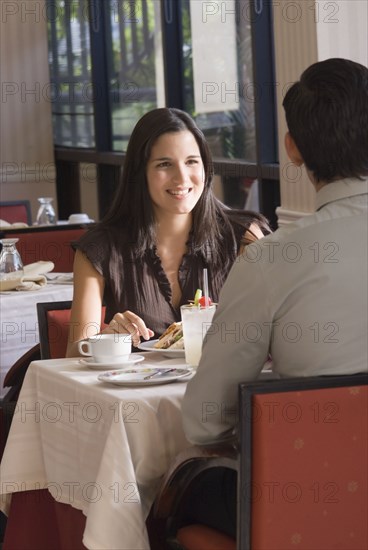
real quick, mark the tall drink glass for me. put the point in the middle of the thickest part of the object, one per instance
(196, 321)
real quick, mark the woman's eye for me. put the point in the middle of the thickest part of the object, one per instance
(193, 161)
(163, 164)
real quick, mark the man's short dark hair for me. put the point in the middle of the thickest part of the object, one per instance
(327, 116)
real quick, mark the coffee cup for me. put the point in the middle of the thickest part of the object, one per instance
(107, 348)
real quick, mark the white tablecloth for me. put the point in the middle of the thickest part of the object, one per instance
(100, 448)
(19, 327)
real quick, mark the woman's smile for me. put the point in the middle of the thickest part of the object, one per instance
(179, 193)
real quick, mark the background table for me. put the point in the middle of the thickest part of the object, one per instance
(100, 448)
(19, 327)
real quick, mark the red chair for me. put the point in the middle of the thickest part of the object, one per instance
(45, 243)
(53, 326)
(16, 211)
(302, 464)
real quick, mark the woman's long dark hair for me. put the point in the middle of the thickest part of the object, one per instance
(132, 209)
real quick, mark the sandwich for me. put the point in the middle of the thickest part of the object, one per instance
(172, 338)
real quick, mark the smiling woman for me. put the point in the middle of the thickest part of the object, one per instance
(146, 256)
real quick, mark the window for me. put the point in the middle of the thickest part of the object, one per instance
(135, 70)
(218, 83)
(113, 60)
(71, 78)
(218, 76)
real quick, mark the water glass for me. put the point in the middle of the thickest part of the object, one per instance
(11, 265)
(46, 213)
(196, 321)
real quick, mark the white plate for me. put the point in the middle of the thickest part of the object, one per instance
(136, 377)
(131, 360)
(148, 346)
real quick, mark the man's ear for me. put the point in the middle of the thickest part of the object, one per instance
(292, 150)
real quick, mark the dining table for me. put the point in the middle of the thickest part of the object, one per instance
(19, 325)
(98, 440)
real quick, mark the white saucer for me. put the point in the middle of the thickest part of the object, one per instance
(130, 360)
(149, 346)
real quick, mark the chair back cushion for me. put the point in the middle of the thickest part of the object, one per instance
(308, 483)
(14, 211)
(53, 245)
(58, 330)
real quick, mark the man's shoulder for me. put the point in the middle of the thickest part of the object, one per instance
(289, 232)
(290, 244)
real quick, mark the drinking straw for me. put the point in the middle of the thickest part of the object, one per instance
(205, 288)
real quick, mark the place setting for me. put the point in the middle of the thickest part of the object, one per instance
(112, 353)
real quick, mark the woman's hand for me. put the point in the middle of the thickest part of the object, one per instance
(129, 323)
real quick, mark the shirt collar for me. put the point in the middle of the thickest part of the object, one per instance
(341, 189)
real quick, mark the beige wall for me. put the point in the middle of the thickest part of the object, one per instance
(305, 31)
(26, 154)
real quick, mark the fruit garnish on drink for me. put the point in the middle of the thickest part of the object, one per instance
(199, 299)
(197, 296)
(202, 302)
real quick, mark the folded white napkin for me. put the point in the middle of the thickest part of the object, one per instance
(33, 277)
(38, 268)
(16, 225)
(60, 278)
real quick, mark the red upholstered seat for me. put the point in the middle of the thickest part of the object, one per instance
(200, 537)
